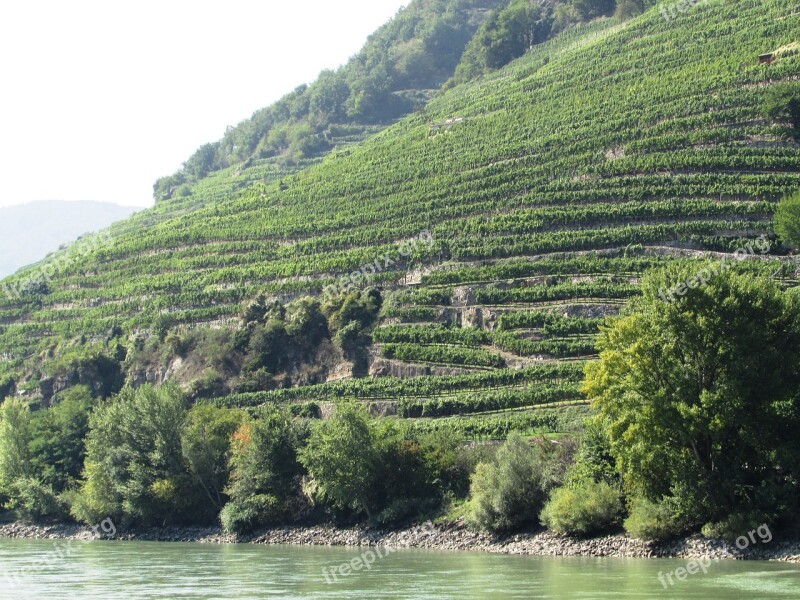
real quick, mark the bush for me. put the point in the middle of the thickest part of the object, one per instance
(734, 526)
(649, 520)
(243, 516)
(585, 509)
(31, 500)
(509, 492)
(782, 103)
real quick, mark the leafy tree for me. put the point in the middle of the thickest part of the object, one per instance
(206, 443)
(203, 161)
(700, 395)
(265, 472)
(135, 471)
(328, 95)
(58, 444)
(342, 457)
(627, 9)
(15, 439)
(787, 219)
(591, 9)
(307, 326)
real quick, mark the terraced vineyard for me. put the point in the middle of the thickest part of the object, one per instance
(556, 182)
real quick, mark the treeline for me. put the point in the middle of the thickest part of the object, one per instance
(143, 458)
(519, 25)
(693, 427)
(393, 74)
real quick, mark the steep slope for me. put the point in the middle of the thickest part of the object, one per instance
(29, 231)
(547, 188)
(399, 68)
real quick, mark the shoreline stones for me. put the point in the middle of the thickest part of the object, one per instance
(440, 536)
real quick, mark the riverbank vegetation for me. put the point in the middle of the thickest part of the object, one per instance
(695, 405)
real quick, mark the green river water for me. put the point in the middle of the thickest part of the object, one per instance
(117, 570)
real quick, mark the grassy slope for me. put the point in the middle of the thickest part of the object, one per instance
(643, 135)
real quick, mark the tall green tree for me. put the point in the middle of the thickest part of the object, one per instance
(15, 438)
(58, 444)
(700, 394)
(135, 471)
(264, 483)
(206, 442)
(341, 457)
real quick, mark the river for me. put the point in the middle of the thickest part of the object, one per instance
(122, 570)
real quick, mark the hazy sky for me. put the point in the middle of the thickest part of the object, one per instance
(99, 99)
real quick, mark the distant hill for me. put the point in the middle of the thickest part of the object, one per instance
(28, 232)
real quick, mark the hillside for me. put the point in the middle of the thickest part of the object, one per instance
(537, 194)
(396, 72)
(29, 231)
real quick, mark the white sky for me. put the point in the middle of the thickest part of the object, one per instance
(99, 99)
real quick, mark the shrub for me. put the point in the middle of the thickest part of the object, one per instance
(31, 500)
(734, 526)
(243, 516)
(649, 520)
(782, 103)
(263, 483)
(585, 509)
(509, 492)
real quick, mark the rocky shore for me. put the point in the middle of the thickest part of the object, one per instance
(440, 536)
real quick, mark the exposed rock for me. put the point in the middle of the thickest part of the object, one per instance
(453, 535)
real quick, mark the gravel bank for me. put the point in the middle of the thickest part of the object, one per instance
(440, 536)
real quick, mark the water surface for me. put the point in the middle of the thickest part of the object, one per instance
(122, 570)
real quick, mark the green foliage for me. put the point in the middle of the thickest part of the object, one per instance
(206, 444)
(650, 520)
(508, 493)
(591, 9)
(342, 459)
(699, 395)
(733, 526)
(587, 508)
(15, 438)
(443, 355)
(32, 500)
(264, 482)
(135, 472)
(593, 460)
(787, 219)
(782, 103)
(58, 439)
(627, 9)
